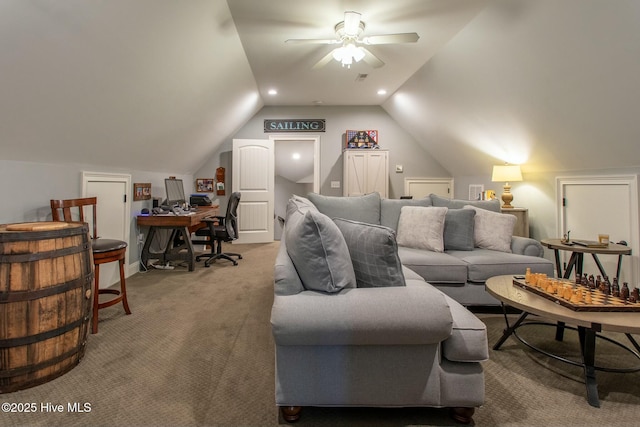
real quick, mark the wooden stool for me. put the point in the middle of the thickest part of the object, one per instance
(104, 251)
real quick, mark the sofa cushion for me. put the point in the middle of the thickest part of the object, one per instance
(492, 230)
(374, 253)
(468, 340)
(390, 209)
(317, 249)
(490, 205)
(458, 229)
(434, 267)
(486, 263)
(422, 227)
(358, 208)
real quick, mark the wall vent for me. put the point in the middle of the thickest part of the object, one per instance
(361, 77)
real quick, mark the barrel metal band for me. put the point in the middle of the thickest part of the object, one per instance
(19, 236)
(18, 341)
(46, 292)
(14, 372)
(56, 253)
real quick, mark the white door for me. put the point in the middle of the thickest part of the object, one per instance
(601, 206)
(112, 192)
(253, 177)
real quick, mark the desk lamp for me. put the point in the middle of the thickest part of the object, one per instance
(506, 173)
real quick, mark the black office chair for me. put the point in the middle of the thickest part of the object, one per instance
(220, 229)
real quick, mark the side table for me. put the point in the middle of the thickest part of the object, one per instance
(522, 225)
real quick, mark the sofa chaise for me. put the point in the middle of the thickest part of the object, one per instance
(354, 327)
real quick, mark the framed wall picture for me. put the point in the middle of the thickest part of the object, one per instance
(361, 139)
(141, 191)
(204, 185)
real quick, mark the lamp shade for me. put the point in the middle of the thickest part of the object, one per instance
(506, 173)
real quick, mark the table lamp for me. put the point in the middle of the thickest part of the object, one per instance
(506, 174)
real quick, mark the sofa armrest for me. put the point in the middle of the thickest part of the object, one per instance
(362, 316)
(526, 246)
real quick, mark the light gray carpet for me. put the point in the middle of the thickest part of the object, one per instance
(198, 351)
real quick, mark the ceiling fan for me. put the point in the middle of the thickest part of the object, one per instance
(348, 34)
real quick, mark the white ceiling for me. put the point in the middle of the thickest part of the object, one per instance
(161, 85)
(263, 27)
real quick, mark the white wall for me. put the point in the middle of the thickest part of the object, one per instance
(28, 187)
(403, 148)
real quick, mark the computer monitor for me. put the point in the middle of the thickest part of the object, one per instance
(175, 192)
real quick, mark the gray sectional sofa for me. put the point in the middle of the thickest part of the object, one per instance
(353, 326)
(459, 271)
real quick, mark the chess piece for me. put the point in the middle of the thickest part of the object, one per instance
(587, 298)
(635, 295)
(527, 275)
(598, 282)
(624, 291)
(607, 286)
(615, 288)
(592, 282)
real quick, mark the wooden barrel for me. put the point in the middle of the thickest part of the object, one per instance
(46, 277)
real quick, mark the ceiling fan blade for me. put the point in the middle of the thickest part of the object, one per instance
(371, 59)
(312, 41)
(351, 23)
(323, 61)
(391, 38)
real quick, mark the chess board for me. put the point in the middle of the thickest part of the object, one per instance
(599, 301)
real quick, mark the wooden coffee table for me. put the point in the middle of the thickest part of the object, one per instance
(588, 324)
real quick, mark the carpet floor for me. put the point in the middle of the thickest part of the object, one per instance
(197, 351)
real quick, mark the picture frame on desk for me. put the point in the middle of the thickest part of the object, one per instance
(141, 191)
(204, 185)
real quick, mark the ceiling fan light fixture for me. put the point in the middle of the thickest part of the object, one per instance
(347, 54)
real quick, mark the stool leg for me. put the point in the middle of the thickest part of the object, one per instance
(96, 300)
(123, 288)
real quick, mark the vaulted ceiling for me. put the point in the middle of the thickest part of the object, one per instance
(159, 85)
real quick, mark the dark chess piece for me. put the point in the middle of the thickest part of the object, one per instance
(635, 295)
(615, 288)
(598, 282)
(585, 280)
(624, 291)
(591, 283)
(607, 286)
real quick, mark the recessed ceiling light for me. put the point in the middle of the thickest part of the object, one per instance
(296, 156)
(273, 92)
(382, 92)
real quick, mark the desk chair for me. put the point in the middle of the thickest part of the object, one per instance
(104, 251)
(221, 229)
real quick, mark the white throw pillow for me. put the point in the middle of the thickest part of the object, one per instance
(422, 227)
(493, 230)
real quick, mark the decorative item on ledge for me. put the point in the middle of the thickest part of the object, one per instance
(141, 191)
(362, 139)
(506, 173)
(204, 185)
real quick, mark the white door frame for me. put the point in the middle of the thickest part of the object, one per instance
(631, 181)
(115, 177)
(316, 152)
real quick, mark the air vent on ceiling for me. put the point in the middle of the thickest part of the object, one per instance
(361, 77)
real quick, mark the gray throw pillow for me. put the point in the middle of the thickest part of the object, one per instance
(318, 250)
(374, 254)
(390, 209)
(357, 208)
(422, 228)
(492, 230)
(458, 229)
(490, 205)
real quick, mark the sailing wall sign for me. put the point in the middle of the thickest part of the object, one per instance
(294, 125)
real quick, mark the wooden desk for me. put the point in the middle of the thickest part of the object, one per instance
(181, 225)
(577, 256)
